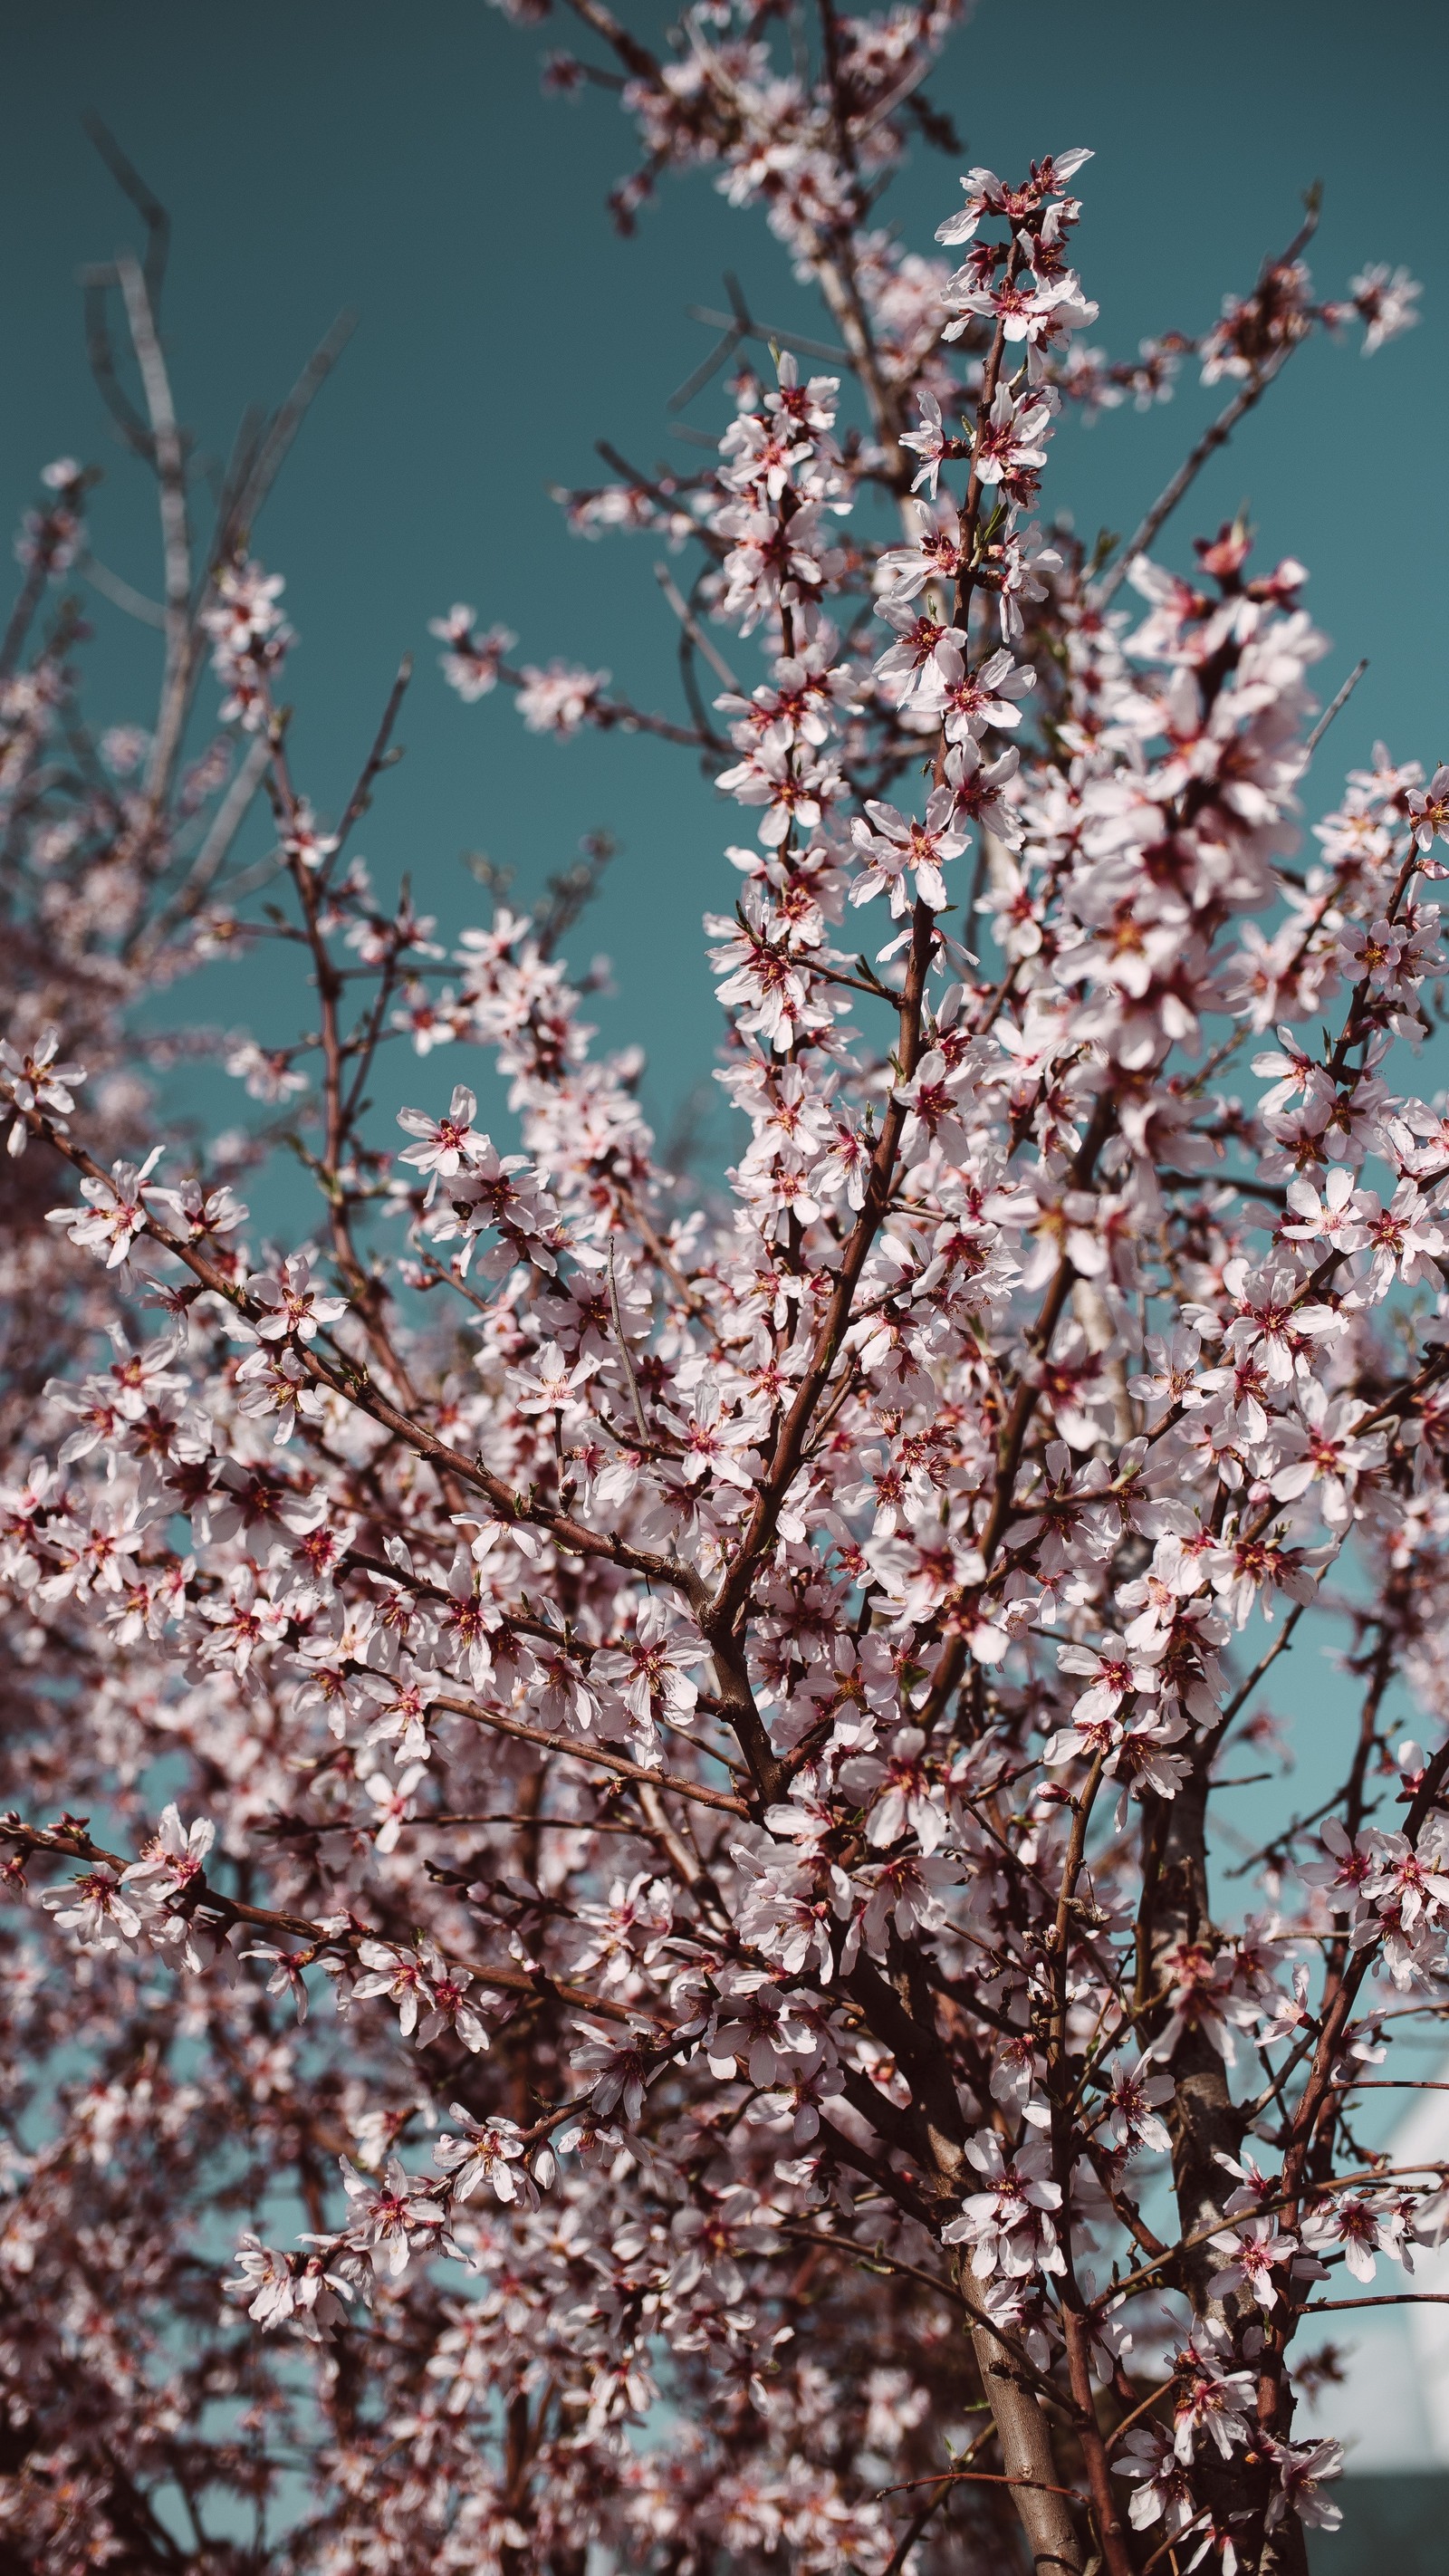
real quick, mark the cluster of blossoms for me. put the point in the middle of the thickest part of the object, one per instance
(724, 1701)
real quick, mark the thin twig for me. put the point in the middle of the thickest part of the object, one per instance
(148, 612)
(380, 757)
(825, 350)
(148, 206)
(1390, 2299)
(1334, 704)
(211, 857)
(1217, 435)
(170, 463)
(624, 1352)
(260, 466)
(1279, 1646)
(692, 627)
(578, 1751)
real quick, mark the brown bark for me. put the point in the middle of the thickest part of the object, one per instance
(1026, 2455)
(1205, 2123)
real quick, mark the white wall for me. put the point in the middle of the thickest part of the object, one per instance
(1393, 2410)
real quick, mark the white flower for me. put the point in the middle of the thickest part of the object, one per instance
(552, 1384)
(390, 2219)
(1164, 2490)
(393, 1801)
(487, 2151)
(174, 1856)
(279, 2288)
(35, 1081)
(1253, 2249)
(653, 1672)
(1006, 2224)
(445, 1143)
(621, 2069)
(560, 699)
(117, 1210)
(1133, 2103)
(899, 843)
(1114, 1668)
(929, 442)
(1301, 2467)
(291, 1306)
(100, 1910)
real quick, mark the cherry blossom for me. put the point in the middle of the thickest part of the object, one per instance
(612, 1772)
(34, 1080)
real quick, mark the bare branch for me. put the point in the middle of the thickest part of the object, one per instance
(148, 206)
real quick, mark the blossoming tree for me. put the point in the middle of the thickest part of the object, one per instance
(725, 1699)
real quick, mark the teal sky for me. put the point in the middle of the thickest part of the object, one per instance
(405, 164)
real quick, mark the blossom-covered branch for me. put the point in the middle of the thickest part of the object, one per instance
(725, 1694)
